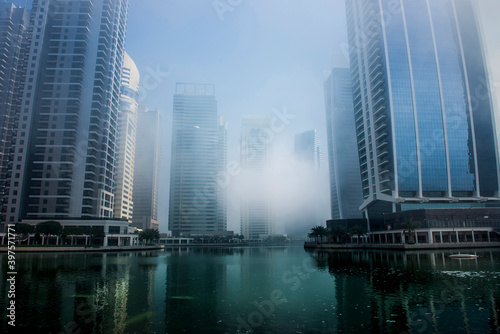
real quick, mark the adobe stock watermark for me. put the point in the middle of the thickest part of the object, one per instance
(223, 6)
(151, 80)
(293, 279)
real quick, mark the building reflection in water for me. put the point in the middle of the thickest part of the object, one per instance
(86, 293)
(416, 292)
(215, 290)
(195, 290)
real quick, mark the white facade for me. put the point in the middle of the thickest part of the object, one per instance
(127, 126)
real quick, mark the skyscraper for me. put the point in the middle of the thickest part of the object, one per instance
(308, 207)
(425, 136)
(127, 127)
(147, 169)
(221, 168)
(64, 159)
(13, 27)
(256, 209)
(195, 164)
(307, 148)
(345, 181)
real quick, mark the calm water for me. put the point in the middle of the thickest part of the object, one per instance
(266, 290)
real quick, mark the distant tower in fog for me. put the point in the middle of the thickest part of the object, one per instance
(127, 126)
(147, 169)
(256, 213)
(221, 168)
(307, 148)
(345, 179)
(198, 154)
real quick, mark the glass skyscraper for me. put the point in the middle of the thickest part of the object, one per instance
(422, 107)
(147, 166)
(256, 209)
(345, 181)
(198, 141)
(306, 148)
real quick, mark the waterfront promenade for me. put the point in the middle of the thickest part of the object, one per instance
(451, 245)
(65, 249)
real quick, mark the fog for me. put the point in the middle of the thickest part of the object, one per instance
(298, 193)
(263, 57)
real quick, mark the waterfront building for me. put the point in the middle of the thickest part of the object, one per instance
(307, 149)
(425, 138)
(198, 154)
(98, 232)
(64, 155)
(147, 169)
(463, 227)
(256, 208)
(345, 181)
(127, 126)
(13, 26)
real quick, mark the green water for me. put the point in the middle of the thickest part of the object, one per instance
(258, 290)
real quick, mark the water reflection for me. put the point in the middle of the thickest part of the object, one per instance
(265, 290)
(417, 292)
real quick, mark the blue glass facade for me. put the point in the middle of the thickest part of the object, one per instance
(345, 181)
(425, 133)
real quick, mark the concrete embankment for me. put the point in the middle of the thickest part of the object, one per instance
(458, 245)
(64, 249)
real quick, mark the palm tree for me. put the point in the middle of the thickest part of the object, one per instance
(49, 228)
(318, 232)
(358, 231)
(338, 234)
(149, 235)
(23, 231)
(409, 226)
(71, 231)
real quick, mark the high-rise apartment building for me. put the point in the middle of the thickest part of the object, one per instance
(345, 181)
(307, 149)
(256, 206)
(147, 169)
(13, 27)
(65, 143)
(127, 126)
(198, 151)
(425, 132)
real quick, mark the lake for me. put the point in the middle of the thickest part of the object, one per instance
(257, 290)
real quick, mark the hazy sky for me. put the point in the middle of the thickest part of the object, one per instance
(262, 56)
